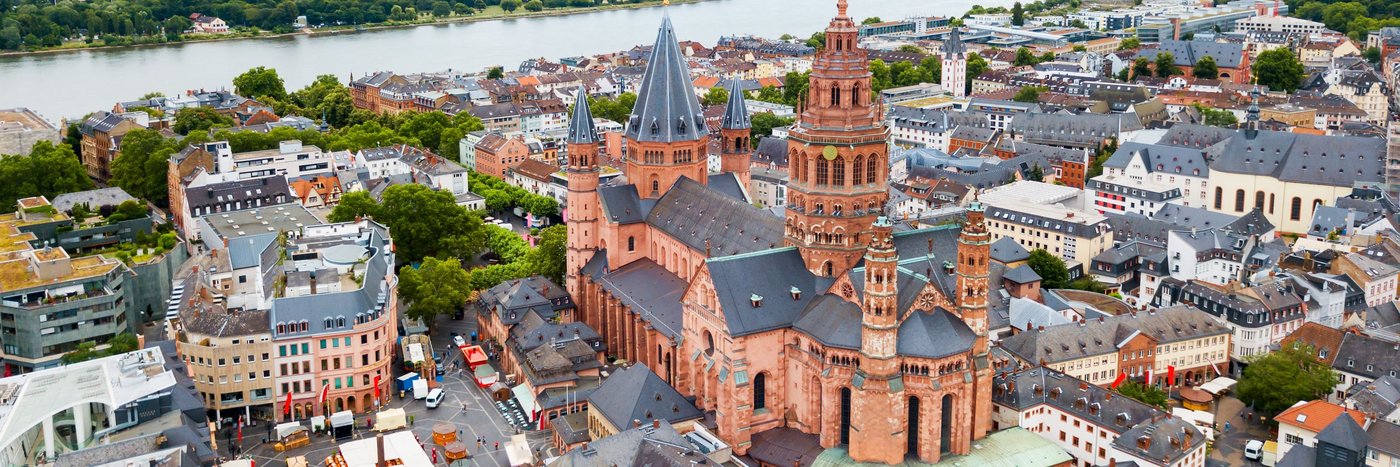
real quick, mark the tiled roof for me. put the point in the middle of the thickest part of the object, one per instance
(666, 109)
(581, 129)
(1314, 416)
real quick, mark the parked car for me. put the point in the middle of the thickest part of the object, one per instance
(1254, 450)
(435, 398)
(459, 341)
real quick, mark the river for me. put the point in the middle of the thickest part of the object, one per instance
(71, 84)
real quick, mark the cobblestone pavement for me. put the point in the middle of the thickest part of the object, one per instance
(479, 417)
(1229, 446)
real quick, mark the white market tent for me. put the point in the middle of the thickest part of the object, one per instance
(1218, 386)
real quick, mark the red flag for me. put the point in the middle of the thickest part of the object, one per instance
(1148, 380)
(1119, 380)
(287, 406)
(325, 391)
(1171, 374)
(376, 386)
(240, 433)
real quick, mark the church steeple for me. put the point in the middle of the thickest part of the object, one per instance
(736, 149)
(666, 134)
(839, 157)
(954, 78)
(582, 199)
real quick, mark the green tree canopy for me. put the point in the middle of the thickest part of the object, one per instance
(49, 170)
(1051, 269)
(199, 119)
(715, 96)
(258, 83)
(1205, 68)
(140, 168)
(510, 5)
(1029, 94)
(871, 20)
(1279, 69)
(496, 73)
(1018, 14)
(1275, 381)
(1142, 67)
(1217, 117)
(425, 222)
(1130, 43)
(548, 257)
(616, 110)
(763, 123)
(437, 287)
(1165, 64)
(1150, 395)
(1024, 57)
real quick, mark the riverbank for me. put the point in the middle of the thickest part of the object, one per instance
(491, 13)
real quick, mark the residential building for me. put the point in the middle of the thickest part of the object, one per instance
(205, 24)
(1093, 424)
(20, 128)
(466, 148)
(102, 133)
(1301, 424)
(1284, 24)
(636, 394)
(1154, 169)
(496, 154)
(1183, 338)
(229, 353)
(505, 305)
(1034, 214)
(1258, 317)
(533, 176)
(1216, 256)
(203, 201)
(1378, 279)
(290, 159)
(1365, 88)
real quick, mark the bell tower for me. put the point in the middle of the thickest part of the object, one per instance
(954, 65)
(736, 148)
(582, 199)
(876, 435)
(974, 258)
(839, 164)
(666, 134)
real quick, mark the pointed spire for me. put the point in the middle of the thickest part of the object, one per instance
(953, 45)
(841, 8)
(581, 130)
(667, 109)
(736, 111)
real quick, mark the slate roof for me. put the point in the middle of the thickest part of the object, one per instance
(1079, 130)
(1028, 388)
(1028, 315)
(273, 190)
(632, 447)
(1187, 53)
(1303, 158)
(1195, 136)
(736, 111)
(1367, 356)
(1162, 434)
(1385, 437)
(649, 290)
(831, 320)
(1006, 250)
(1172, 159)
(1022, 274)
(622, 205)
(953, 45)
(1099, 337)
(1344, 432)
(708, 220)
(771, 274)
(581, 129)
(1327, 219)
(771, 150)
(637, 393)
(666, 109)
(511, 300)
(936, 334)
(368, 298)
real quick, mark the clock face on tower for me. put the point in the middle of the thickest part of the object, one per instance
(829, 153)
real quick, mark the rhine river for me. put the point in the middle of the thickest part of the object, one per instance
(71, 84)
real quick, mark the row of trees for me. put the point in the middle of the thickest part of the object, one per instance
(441, 286)
(1355, 18)
(49, 170)
(501, 196)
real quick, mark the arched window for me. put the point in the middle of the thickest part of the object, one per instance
(870, 168)
(631, 243)
(827, 269)
(1219, 197)
(855, 94)
(835, 96)
(1239, 200)
(838, 173)
(655, 186)
(858, 171)
(709, 343)
(1271, 203)
(1316, 204)
(1296, 210)
(760, 392)
(823, 171)
(1259, 200)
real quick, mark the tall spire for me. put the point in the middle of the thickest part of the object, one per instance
(736, 111)
(581, 130)
(667, 109)
(954, 44)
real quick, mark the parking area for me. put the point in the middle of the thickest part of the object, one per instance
(465, 405)
(1244, 426)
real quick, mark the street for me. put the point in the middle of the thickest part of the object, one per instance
(480, 417)
(1229, 447)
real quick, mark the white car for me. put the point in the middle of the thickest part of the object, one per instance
(459, 341)
(435, 398)
(1254, 450)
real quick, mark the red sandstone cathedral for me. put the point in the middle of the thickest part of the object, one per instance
(825, 321)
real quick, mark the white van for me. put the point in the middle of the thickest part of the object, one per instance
(1254, 450)
(435, 398)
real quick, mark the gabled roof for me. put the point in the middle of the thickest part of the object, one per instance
(666, 109)
(1315, 416)
(635, 393)
(709, 220)
(1008, 250)
(953, 45)
(1346, 433)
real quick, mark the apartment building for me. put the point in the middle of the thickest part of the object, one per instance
(1258, 316)
(228, 353)
(101, 140)
(1091, 423)
(20, 128)
(496, 154)
(1041, 216)
(1141, 171)
(1378, 279)
(1187, 340)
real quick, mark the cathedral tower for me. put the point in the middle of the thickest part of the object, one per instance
(666, 134)
(736, 150)
(582, 202)
(974, 259)
(876, 435)
(839, 164)
(954, 65)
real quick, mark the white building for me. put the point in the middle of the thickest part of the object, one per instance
(1286, 24)
(1158, 169)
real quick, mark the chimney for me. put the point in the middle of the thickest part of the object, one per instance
(656, 424)
(636, 423)
(379, 451)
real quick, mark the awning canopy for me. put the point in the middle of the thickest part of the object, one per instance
(526, 400)
(1218, 385)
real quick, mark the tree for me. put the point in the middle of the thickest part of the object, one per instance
(548, 257)
(1150, 395)
(1141, 67)
(1279, 69)
(441, 9)
(534, 5)
(770, 94)
(1372, 55)
(1217, 117)
(175, 25)
(1029, 94)
(259, 82)
(911, 49)
(1051, 269)
(1122, 74)
(437, 287)
(1130, 43)
(795, 86)
(1036, 174)
(1048, 56)
(84, 351)
(1205, 68)
(1018, 15)
(817, 41)
(1165, 64)
(122, 343)
(1024, 57)
(355, 204)
(496, 73)
(715, 96)
(50, 170)
(976, 65)
(510, 5)
(140, 168)
(616, 110)
(193, 119)
(425, 222)
(871, 20)
(1275, 381)
(763, 123)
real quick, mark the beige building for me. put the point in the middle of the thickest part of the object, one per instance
(228, 353)
(20, 128)
(1043, 216)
